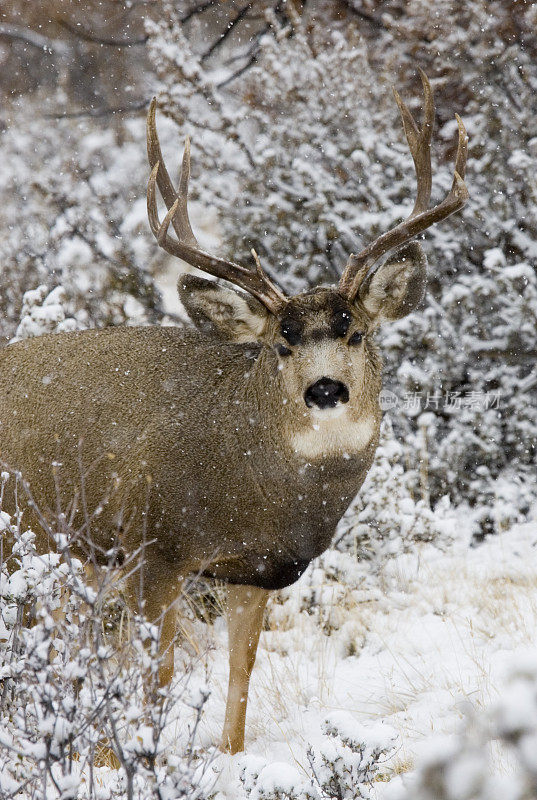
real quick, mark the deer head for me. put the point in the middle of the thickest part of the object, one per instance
(321, 338)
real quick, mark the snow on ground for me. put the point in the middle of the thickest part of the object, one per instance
(433, 634)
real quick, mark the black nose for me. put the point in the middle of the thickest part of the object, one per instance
(326, 393)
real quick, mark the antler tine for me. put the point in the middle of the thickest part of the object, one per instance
(421, 216)
(462, 149)
(154, 155)
(186, 247)
(419, 142)
(180, 220)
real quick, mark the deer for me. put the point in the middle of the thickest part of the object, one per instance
(254, 428)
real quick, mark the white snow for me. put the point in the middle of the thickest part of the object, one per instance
(434, 633)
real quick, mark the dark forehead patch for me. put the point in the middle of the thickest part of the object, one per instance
(319, 314)
(341, 321)
(291, 329)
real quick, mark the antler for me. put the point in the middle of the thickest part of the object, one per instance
(421, 217)
(186, 247)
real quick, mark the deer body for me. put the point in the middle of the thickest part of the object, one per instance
(228, 495)
(234, 449)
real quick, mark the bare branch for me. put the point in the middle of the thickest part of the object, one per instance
(198, 9)
(252, 52)
(87, 36)
(223, 36)
(33, 39)
(245, 67)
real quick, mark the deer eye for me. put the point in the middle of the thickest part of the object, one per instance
(356, 338)
(283, 350)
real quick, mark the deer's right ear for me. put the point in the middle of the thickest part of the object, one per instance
(221, 311)
(397, 287)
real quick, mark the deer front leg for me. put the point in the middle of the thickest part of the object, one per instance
(244, 609)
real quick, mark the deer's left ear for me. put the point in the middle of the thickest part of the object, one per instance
(397, 287)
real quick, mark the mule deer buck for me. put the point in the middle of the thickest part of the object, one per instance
(255, 428)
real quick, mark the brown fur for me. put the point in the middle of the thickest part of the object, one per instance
(202, 419)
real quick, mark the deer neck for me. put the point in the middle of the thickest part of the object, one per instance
(314, 491)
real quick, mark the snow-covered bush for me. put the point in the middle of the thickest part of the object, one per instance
(473, 376)
(276, 780)
(342, 767)
(387, 517)
(44, 312)
(350, 758)
(74, 698)
(75, 215)
(326, 597)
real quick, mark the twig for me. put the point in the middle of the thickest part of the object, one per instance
(251, 54)
(199, 9)
(223, 36)
(424, 467)
(87, 518)
(86, 36)
(239, 72)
